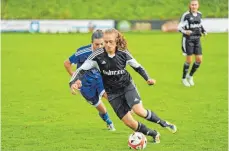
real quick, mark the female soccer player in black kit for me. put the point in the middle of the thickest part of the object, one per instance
(121, 91)
(191, 27)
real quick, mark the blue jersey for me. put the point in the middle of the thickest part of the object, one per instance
(92, 85)
(81, 56)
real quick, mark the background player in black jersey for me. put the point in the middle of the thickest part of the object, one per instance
(191, 27)
(121, 91)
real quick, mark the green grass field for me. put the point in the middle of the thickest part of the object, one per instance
(40, 114)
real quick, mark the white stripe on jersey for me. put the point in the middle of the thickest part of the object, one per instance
(95, 53)
(87, 65)
(183, 16)
(184, 46)
(133, 63)
(183, 23)
(82, 51)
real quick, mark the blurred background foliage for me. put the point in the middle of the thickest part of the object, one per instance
(107, 9)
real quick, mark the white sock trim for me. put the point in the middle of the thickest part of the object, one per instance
(149, 114)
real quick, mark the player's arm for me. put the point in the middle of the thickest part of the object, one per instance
(68, 67)
(90, 63)
(182, 24)
(87, 65)
(68, 63)
(138, 68)
(75, 83)
(203, 31)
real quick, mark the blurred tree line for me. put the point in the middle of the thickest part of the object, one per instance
(107, 9)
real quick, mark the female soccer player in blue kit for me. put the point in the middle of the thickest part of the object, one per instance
(92, 85)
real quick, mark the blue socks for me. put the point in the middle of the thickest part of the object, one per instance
(105, 118)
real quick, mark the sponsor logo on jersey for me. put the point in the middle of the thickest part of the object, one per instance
(117, 72)
(195, 25)
(136, 99)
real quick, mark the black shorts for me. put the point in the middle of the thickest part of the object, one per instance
(123, 101)
(191, 46)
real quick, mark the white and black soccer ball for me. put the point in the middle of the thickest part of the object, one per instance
(137, 141)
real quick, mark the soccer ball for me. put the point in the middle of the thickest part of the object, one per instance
(137, 141)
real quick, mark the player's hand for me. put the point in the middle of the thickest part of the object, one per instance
(188, 32)
(79, 83)
(151, 82)
(76, 86)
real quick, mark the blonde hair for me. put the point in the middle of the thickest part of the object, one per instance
(120, 39)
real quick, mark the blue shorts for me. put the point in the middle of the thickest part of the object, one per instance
(92, 87)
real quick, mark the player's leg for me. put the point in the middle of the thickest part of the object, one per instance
(105, 96)
(196, 64)
(185, 70)
(105, 116)
(122, 109)
(134, 102)
(152, 117)
(101, 107)
(187, 48)
(91, 96)
(129, 121)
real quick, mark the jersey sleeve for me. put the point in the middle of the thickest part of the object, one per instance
(202, 27)
(183, 22)
(136, 66)
(87, 65)
(74, 59)
(79, 56)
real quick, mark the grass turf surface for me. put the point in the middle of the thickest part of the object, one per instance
(40, 114)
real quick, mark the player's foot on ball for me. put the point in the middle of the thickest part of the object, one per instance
(171, 127)
(111, 127)
(156, 139)
(185, 82)
(190, 80)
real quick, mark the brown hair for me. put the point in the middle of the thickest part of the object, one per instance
(97, 35)
(120, 39)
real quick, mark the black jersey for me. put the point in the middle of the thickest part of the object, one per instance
(112, 68)
(191, 21)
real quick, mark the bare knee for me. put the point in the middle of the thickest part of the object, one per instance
(139, 110)
(189, 59)
(130, 124)
(199, 59)
(129, 121)
(101, 108)
(141, 113)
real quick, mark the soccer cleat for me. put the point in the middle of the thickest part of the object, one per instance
(111, 127)
(190, 80)
(185, 82)
(171, 127)
(156, 139)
